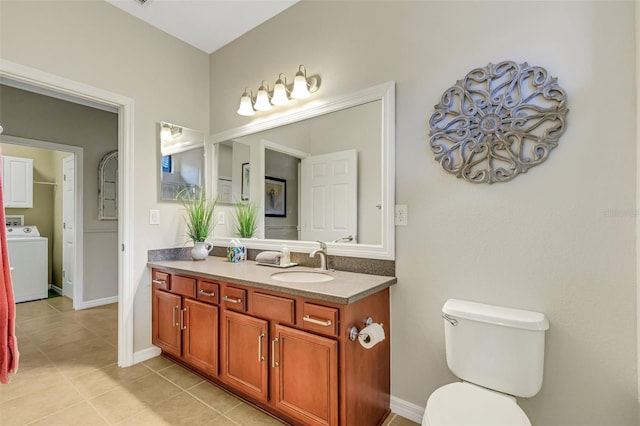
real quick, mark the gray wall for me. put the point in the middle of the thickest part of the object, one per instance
(546, 241)
(33, 116)
(283, 166)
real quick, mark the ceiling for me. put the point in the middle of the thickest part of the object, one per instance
(205, 24)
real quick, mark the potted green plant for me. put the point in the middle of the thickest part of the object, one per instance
(199, 220)
(245, 219)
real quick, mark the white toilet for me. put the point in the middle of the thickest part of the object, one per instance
(499, 354)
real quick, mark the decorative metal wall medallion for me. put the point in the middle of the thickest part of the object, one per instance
(498, 122)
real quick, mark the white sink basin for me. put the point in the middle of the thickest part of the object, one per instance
(302, 276)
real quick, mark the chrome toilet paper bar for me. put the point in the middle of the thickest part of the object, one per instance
(354, 332)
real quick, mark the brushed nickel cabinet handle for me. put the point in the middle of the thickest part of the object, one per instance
(175, 321)
(229, 299)
(260, 357)
(204, 293)
(325, 323)
(274, 363)
(159, 282)
(183, 326)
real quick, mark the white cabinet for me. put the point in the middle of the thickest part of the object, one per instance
(17, 182)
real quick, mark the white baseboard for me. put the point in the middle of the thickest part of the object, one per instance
(56, 289)
(146, 354)
(97, 302)
(407, 409)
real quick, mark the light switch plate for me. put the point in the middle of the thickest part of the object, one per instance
(154, 217)
(220, 218)
(402, 215)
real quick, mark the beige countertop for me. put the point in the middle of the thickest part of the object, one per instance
(345, 288)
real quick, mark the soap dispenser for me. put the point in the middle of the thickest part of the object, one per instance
(285, 260)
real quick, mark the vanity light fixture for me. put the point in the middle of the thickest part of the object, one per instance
(246, 104)
(281, 95)
(170, 132)
(263, 101)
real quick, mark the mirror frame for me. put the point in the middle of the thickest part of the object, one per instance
(386, 94)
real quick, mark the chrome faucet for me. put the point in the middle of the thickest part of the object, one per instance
(322, 251)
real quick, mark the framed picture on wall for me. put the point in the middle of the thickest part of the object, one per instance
(275, 197)
(244, 191)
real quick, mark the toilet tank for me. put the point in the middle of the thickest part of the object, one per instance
(495, 347)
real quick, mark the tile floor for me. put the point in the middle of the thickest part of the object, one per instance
(68, 376)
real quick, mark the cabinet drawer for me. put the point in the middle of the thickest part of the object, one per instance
(183, 285)
(320, 319)
(274, 308)
(234, 299)
(161, 279)
(207, 292)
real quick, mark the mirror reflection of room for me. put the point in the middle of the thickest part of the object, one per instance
(182, 163)
(331, 169)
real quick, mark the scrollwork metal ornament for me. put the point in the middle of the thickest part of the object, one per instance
(498, 122)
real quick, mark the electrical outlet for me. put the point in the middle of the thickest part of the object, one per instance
(220, 218)
(402, 215)
(154, 217)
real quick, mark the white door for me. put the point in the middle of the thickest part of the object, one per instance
(330, 196)
(68, 225)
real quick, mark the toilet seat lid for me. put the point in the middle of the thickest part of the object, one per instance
(467, 404)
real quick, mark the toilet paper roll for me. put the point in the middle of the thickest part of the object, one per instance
(371, 335)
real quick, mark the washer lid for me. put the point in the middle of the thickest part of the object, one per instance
(462, 404)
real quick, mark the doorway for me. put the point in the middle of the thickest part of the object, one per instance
(56, 86)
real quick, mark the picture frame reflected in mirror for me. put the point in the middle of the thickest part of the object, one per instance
(275, 197)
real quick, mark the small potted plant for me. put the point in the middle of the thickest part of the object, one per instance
(245, 219)
(199, 220)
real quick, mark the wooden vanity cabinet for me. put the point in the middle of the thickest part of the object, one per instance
(182, 326)
(289, 355)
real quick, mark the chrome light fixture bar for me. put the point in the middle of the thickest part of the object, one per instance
(281, 95)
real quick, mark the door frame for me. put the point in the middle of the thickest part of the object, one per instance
(75, 230)
(44, 82)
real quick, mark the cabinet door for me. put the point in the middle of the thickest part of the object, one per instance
(201, 336)
(165, 315)
(244, 353)
(17, 176)
(306, 373)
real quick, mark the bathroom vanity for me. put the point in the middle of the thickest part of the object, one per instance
(287, 347)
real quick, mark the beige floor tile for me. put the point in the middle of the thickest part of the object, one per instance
(158, 363)
(30, 310)
(62, 304)
(62, 337)
(221, 421)
(82, 414)
(246, 415)
(131, 398)
(34, 406)
(103, 380)
(215, 397)
(181, 376)
(401, 421)
(181, 409)
(388, 420)
(31, 381)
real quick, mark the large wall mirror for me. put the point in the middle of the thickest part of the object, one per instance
(182, 160)
(324, 172)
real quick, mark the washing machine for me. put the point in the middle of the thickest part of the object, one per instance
(29, 262)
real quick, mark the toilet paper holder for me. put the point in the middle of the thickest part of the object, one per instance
(354, 332)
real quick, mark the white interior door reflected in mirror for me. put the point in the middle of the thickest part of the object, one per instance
(330, 197)
(182, 162)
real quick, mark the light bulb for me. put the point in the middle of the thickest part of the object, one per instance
(246, 108)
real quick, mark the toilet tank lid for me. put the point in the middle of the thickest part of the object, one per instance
(499, 315)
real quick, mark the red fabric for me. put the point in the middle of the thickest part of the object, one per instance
(8, 343)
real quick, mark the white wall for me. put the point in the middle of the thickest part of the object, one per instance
(550, 240)
(95, 43)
